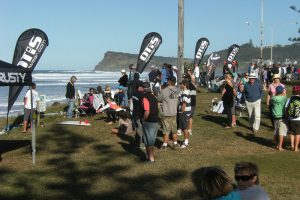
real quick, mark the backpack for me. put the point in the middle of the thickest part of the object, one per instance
(293, 109)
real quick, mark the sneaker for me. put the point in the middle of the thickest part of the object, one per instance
(164, 148)
(184, 145)
(179, 132)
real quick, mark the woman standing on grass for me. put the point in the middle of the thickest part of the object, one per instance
(272, 92)
(228, 94)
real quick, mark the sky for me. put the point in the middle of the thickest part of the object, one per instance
(81, 31)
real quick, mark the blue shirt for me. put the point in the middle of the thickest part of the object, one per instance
(165, 75)
(253, 92)
(234, 195)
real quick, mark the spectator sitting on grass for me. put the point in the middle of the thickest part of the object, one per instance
(125, 124)
(214, 184)
(110, 108)
(246, 176)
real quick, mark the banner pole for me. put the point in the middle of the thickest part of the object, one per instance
(32, 128)
(7, 128)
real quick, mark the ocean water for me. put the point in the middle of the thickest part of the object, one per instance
(52, 83)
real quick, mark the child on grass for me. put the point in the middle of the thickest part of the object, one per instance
(277, 110)
(125, 124)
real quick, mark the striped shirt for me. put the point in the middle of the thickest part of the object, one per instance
(185, 97)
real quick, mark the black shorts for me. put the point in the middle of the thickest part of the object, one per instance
(294, 127)
(27, 113)
(183, 120)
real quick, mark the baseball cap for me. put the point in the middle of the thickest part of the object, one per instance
(279, 89)
(123, 71)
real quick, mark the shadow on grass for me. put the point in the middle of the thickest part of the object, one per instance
(67, 174)
(129, 145)
(10, 145)
(255, 139)
(219, 120)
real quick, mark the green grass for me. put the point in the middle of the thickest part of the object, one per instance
(90, 163)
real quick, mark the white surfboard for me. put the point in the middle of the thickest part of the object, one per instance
(74, 123)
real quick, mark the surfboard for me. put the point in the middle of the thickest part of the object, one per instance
(74, 123)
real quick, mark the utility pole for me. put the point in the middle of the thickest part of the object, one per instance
(261, 29)
(180, 58)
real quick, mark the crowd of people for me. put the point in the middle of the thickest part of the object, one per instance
(161, 102)
(284, 113)
(150, 105)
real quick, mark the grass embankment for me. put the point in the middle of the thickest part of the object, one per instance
(87, 162)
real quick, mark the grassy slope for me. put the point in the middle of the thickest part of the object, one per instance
(90, 163)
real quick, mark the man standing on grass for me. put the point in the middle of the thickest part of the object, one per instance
(28, 107)
(253, 93)
(137, 98)
(169, 99)
(184, 111)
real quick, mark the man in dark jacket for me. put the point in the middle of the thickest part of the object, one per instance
(137, 97)
(123, 81)
(70, 95)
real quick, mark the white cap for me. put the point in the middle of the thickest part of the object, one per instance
(123, 71)
(174, 67)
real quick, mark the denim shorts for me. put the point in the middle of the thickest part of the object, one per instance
(150, 131)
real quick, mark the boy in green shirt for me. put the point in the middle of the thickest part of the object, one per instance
(277, 108)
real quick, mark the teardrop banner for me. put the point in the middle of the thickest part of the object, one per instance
(232, 52)
(29, 49)
(149, 46)
(201, 47)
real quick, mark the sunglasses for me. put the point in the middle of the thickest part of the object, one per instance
(243, 178)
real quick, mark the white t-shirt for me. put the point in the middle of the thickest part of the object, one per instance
(254, 193)
(197, 72)
(35, 96)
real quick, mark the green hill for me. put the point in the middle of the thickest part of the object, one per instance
(114, 61)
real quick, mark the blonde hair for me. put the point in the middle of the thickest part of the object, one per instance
(107, 87)
(214, 182)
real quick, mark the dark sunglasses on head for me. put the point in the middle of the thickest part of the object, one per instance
(243, 178)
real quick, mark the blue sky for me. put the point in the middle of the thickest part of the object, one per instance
(81, 31)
